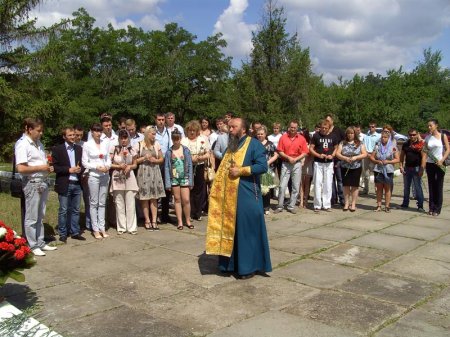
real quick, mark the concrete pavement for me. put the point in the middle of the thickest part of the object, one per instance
(335, 274)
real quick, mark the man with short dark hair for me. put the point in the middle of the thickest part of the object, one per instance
(236, 227)
(292, 148)
(135, 137)
(338, 188)
(171, 125)
(34, 166)
(67, 164)
(410, 166)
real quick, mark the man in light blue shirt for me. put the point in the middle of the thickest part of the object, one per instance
(370, 140)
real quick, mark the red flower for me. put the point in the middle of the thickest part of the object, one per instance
(101, 156)
(202, 142)
(7, 246)
(9, 237)
(19, 254)
(20, 242)
(2, 224)
(49, 158)
(25, 249)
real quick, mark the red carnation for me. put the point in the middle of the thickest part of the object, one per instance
(25, 249)
(101, 156)
(20, 241)
(19, 254)
(49, 158)
(2, 224)
(9, 237)
(202, 142)
(7, 246)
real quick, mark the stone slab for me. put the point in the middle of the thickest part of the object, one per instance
(365, 225)
(346, 311)
(280, 258)
(65, 302)
(121, 321)
(387, 242)
(415, 232)
(275, 323)
(357, 256)
(434, 251)
(300, 245)
(288, 227)
(420, 268)
(394, 217)
(389, 288)
(317, 273)
(439, 304)
(198, 311)
(429, 221)
(445, 240)
(418, 323)
(332, 233)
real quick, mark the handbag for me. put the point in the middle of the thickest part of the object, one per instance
(15, 186)
(447, 160)
(209, 172)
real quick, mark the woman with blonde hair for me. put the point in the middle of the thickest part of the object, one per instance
(200, 151)
(149, 178)
(384, 156)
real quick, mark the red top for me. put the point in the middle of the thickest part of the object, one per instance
(292, 147)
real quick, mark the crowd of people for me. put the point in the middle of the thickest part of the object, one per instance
(125, 175)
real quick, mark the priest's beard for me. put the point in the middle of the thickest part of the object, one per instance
(233, 143)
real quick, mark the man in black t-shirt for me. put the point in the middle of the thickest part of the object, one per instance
(410, 160)
(323, 149)
(338, 135)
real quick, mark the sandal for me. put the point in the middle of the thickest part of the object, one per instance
(378, 209)
(190, 226)
(155, 226)
(352, 209)
(97, 236)
(387, 209)
(148, 226)
(180, 227)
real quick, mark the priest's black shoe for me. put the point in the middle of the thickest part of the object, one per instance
(246, 277)
(78, 237)
(63, 239)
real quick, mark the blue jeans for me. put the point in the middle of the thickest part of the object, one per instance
(412, 176)
(69, 211)
(36, 194)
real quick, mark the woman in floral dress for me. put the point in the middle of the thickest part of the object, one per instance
(149, 179)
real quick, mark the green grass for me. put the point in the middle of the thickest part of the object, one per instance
(10, 212)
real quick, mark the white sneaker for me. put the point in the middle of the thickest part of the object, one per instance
(48, 248)
(38, 252)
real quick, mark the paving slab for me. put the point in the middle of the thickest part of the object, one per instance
(394, 217)
(65, 302)
(346, 311)
(283, 228)
(203, 312)
(445, 239)
(429, 221)
(365, 225)
(415, 232)
(420, 268)
(439, 304)
(434, 251)
(280, 258)
(389, 288)
(418, 323)
(121, 321)
(332, 233)
(357, 256)
(317, 273)
(300, 245)
(275, 323)
(387, 242)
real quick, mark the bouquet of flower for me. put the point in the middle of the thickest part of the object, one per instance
(15, 255)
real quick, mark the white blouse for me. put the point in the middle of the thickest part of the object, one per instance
(94, 157)
(199, 146)
(435, 147)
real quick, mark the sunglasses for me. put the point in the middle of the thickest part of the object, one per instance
(372, 126)
(413, 134)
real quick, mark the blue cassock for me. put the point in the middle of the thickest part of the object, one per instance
(251, 246)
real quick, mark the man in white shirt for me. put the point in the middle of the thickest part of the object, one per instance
(34, 166)
(108, 133)
(135, 137)
(170, 124)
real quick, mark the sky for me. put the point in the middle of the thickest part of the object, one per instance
(345, 37)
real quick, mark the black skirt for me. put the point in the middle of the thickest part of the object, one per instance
(351, 177)
(381, 179)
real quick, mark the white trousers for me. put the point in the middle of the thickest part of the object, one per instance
(125, 210)
(323, 182)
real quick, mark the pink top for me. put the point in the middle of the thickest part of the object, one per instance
(120, 182)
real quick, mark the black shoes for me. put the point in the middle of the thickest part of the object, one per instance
(246, 277)
(63, 239)
(78, 237)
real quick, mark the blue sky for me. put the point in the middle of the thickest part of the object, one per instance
(344, 36)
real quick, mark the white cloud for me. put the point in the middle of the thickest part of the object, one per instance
(236, 32)
(361, 36)
(120, 13)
